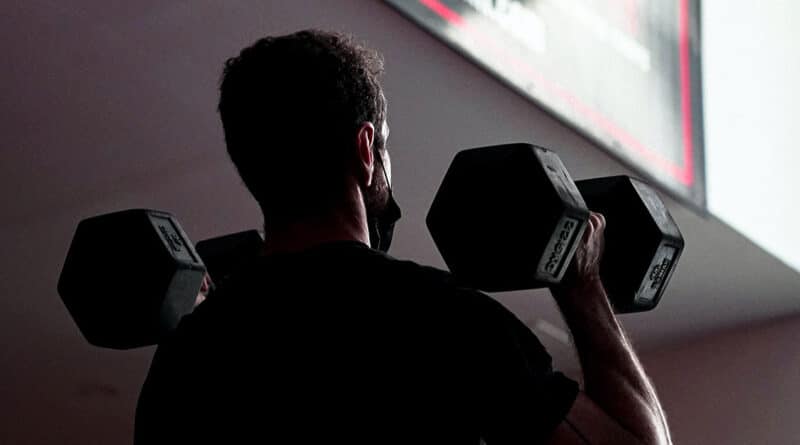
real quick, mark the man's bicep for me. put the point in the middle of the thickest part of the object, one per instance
(522, 399)
(587, 424)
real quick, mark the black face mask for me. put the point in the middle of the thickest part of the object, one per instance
(381, 221)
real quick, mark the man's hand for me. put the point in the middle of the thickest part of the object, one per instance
(584, 271)
(205, 288)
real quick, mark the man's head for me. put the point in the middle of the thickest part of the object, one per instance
(298, 112)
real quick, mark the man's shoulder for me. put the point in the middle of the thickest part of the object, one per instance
(429, 274)
(350, 270)
(417, 274)
(445, 285)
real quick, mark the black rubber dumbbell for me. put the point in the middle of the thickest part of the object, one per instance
(130, 276)
(508, 217)
(643, 243)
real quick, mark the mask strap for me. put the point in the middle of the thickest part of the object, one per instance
(376, 232)
(385, 175)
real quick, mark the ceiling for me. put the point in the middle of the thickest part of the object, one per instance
(111, 104)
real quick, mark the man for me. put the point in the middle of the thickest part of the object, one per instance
(324, 339)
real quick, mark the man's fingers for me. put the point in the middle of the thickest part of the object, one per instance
(205, 288)
(598, 221)
(602, 218)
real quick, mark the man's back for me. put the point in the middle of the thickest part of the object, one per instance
(341, 343)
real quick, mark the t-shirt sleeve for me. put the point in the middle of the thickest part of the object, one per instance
(521, 398)
(162, 412)
(155, 401)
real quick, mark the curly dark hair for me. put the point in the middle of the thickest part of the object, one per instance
(290, 107)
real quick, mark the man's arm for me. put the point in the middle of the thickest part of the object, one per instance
(618, 400)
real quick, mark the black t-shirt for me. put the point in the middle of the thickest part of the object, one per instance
(343, 344)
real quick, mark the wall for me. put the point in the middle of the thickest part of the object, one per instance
(735, 387)
(752, 102)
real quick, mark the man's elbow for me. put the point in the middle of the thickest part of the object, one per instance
(586, 422)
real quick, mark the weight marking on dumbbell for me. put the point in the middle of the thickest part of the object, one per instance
(558, 249)
(172, 238)
(553, 258)
(659, 270)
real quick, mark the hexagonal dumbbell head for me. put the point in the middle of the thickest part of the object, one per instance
(507, 217)
(643, 242)
(129, 277)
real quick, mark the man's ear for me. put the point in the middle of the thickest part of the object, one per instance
(366, 160)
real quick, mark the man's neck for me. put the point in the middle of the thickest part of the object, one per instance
(303, 235)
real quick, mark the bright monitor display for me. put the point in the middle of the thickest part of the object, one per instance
(625, 73)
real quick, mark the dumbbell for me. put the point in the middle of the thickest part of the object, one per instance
(509, 217)
(130, 276)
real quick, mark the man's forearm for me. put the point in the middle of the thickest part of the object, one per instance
(613, 377)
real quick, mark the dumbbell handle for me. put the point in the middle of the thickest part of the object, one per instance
(224, 254)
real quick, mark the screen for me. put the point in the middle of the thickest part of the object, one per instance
(625, 73)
